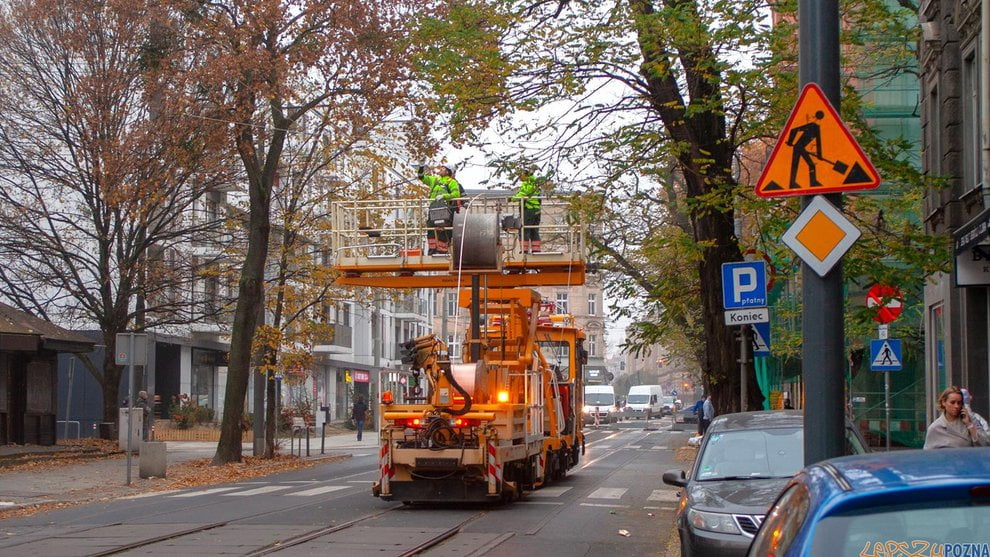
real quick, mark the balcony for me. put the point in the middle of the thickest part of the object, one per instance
(339, 341)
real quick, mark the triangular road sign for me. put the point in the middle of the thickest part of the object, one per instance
(815, 153)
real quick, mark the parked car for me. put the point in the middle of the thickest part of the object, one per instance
(744, 461)
(913, 502)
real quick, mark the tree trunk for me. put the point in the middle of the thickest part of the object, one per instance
(271, 418)
(251, 294)
(111, 385)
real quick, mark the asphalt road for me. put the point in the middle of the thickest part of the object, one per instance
(613, 503)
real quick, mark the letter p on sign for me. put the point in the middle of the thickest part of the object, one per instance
(744, 284)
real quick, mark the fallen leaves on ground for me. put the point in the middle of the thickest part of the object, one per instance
(181, 475)
(686, 454)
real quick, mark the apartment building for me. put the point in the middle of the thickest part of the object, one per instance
(955, 115)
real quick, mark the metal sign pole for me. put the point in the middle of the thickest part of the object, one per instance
(886, 405)
(822, 354)
(130, 401)
(68, 397)
(743, 360)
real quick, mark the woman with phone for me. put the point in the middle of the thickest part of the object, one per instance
(955, 427)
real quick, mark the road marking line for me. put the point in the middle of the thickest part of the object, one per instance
(604, 505)
(151, 494)
(318, 490)
(258, 491)
(558, 503)
(360, 481)
(210, 491)
(548, 492)
(663, 495)
(608, 493)
(635, 447)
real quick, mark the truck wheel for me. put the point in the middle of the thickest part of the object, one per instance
(562, 459)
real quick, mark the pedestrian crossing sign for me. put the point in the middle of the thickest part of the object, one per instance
(885, 355)
(815, 153)
(761, 339)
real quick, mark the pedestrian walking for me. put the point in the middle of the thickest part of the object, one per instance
(358, 414)
(955, 427)
(698, 411)
(708, 414)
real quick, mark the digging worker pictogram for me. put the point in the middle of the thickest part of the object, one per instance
(810, 132)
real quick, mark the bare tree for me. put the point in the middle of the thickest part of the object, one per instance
(94, 192)
(266, 65)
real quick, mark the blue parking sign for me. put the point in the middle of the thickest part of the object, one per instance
(744, 284)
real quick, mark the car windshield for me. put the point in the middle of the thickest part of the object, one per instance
(930, 525)
(638, 399)
(770, 453)
(668, 400)
(599, 399)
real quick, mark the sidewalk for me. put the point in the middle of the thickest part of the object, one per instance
(59, 481)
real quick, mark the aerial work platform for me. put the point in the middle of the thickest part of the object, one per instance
(382, 243)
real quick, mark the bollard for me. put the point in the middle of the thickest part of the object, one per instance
(152, 462)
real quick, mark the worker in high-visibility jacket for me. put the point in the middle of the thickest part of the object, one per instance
(445, 192)
(529, 195)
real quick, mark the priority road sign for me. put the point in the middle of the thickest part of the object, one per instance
(815, 153)
(744, 284)
(885, 355)
(821, 235)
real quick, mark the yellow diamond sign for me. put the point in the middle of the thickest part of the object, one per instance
(821, 235)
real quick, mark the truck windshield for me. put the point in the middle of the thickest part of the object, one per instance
(638, 399)
(599, 399)
(558, 354)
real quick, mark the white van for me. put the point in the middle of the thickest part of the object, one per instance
(600, 399)
(642, 398)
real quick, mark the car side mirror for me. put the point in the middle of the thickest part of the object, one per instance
(675, 477)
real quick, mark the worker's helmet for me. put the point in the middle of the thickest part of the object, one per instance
(449, 169)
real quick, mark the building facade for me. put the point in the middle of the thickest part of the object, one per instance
(954, 112)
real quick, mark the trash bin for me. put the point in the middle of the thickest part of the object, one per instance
(108, 431)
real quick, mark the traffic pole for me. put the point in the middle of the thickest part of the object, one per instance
(823, 350)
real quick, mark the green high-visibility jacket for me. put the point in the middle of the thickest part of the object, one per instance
(530, 191)
(442, 186)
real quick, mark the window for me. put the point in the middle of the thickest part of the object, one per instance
(592, 304)
(934, 133)
(561, 305)
(936, 350)
(344, 314)
(592, 345)
(451, 303)
(453, 347)
(971, 119)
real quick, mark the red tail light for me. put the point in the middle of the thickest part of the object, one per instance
(409, 422)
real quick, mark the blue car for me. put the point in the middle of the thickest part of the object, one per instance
(895, 504)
